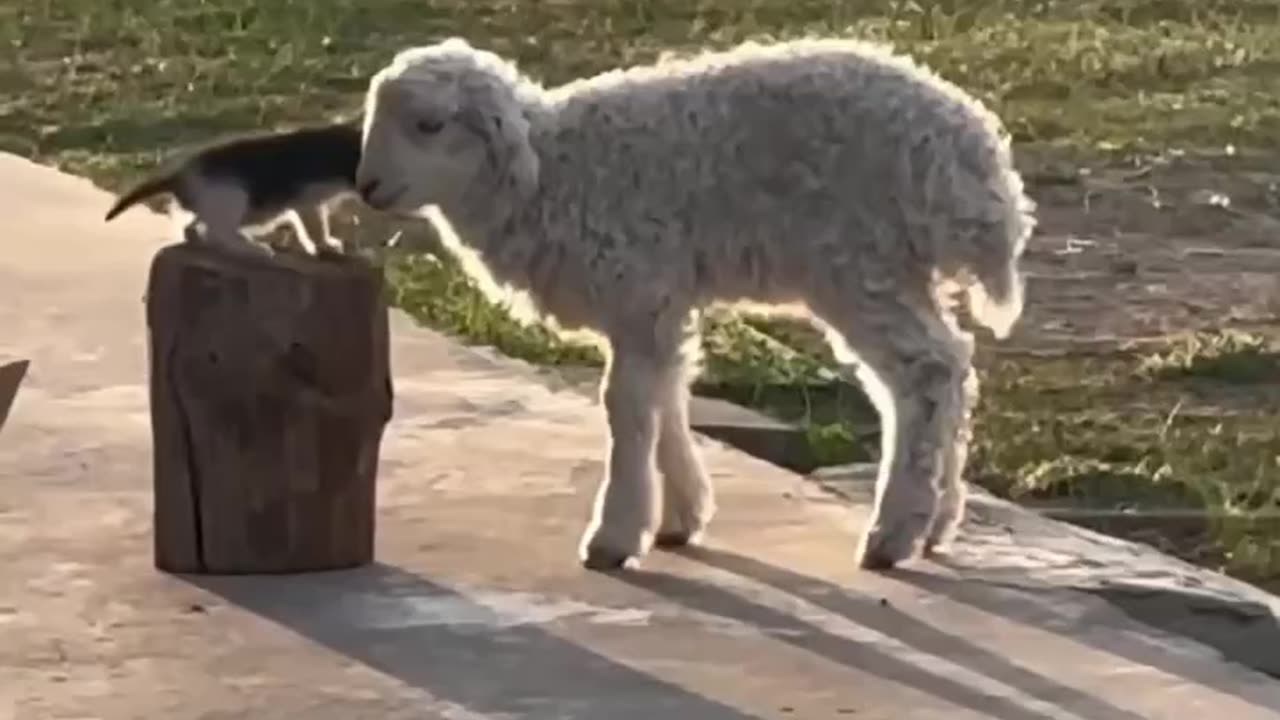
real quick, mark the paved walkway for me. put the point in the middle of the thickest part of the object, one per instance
(477, 609)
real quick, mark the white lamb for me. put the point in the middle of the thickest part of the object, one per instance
(828, 177)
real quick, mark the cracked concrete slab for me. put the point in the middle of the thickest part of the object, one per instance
(477, 609)
(1236, 619)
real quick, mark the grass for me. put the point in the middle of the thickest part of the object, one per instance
(103, 87)
(1146, 431)
(109, 87)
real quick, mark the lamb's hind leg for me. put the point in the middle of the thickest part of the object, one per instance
(688, 498)
(946, 522)
(914, 372)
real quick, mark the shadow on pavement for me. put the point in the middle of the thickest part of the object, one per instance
(1018, 604)
(391, 620)
(707, 597)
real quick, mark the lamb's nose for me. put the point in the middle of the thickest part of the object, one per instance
(368, 188)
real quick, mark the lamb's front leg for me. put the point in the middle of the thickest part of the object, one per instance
(626, 509)
(688, 498)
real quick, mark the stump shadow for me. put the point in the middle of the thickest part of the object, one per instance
(508, 671)
(868, 612)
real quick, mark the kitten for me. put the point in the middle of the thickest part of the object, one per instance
(254, 182)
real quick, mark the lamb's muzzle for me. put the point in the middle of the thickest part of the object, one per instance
(367, 189)
(377, 197)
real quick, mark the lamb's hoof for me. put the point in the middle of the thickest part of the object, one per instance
(673, 539)
(939, 548)
(877, 561)
(885, 551)
(605, 560)
(943, 532)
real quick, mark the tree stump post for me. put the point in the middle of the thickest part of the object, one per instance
(270, 390)
(11, 374)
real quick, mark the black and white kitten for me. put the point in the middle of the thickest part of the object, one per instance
(253, 183)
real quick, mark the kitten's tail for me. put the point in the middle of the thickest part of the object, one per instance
(156, 185)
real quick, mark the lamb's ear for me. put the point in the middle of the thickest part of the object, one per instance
(511, 130)
(505, 133)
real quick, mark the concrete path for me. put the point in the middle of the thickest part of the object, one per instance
(477, 609)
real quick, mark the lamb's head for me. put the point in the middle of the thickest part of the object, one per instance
(444, 126)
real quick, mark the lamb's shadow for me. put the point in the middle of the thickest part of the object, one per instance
(1017, 604)
(515, 671)
(870, 613)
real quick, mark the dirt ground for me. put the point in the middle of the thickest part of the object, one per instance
(1133, 252)
(1140, 250)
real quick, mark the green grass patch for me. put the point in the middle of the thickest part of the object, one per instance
(1229, 357)
(439, 295)
(107, 87)
(1146, 431)
(1107, 429)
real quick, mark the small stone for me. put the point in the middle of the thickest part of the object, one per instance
(1126, 266)
(1210, 198)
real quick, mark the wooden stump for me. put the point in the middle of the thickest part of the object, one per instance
(11, 374)
(270, 390)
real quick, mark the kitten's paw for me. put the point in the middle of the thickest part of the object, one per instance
(331, 246)
(246, 248)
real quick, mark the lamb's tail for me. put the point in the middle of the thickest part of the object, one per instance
(996, 299)
(164, 183)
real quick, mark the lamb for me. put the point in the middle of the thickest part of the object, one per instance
(825, 177)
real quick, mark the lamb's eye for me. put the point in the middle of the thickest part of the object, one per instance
(429, 127)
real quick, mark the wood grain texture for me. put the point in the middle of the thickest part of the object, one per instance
(11, 374)
(270, 390)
